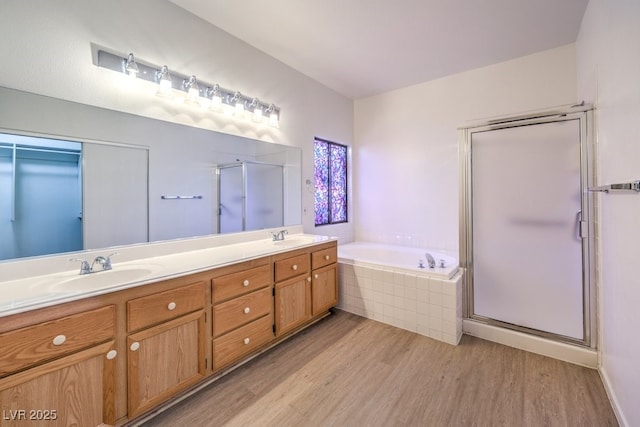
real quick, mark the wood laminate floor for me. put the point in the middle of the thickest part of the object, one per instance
(351, 371)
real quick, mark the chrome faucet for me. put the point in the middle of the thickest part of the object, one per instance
(279, 235)
(430, 260)
(104, 264)
(84, 267)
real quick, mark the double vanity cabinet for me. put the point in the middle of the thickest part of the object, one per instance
(109, 359)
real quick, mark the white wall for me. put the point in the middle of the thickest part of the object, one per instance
(608, 64)
(46, 50)
(406, 166)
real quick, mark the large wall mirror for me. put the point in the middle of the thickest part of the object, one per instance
(76, 177)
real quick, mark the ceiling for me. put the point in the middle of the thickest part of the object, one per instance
(361, 48)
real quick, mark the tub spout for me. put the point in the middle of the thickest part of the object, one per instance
(430, 260)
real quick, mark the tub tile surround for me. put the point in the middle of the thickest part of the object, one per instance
(428, 306)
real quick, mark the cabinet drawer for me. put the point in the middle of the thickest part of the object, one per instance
(163, 306)
(238, 311)
(230, 347)
(324, 257)
(291, 267)
(233, 285)
(34, 344)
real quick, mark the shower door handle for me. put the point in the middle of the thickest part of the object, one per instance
(579, 226)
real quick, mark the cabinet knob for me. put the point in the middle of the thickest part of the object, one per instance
(315, 276)
(135, 346)
(246, 341)
(171, 306)
(245, 283)
(247, 310)
(294, 267)
(309, 279)
(112, 354)
(327, 257)
(59, 340)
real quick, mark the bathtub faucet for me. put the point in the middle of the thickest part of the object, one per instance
(430, 260)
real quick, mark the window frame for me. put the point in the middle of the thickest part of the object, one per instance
(329, 187)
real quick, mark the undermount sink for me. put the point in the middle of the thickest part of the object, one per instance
(88, 282)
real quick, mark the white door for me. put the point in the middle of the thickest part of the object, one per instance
(526, 212)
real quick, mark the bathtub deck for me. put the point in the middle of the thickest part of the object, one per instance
(351, 371)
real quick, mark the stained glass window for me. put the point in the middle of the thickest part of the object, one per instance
(330, 182)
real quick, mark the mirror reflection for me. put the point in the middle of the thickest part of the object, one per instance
(41, 203)
(76, 177)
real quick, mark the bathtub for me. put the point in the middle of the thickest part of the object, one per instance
(386, 283)
(399, 258)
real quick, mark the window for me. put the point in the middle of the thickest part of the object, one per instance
(331, 182)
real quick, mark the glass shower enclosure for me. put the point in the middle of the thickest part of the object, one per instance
(526, 224)
(251, 196)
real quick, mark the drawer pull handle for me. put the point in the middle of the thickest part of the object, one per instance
(59, 340)
(245, 283)
(112, 354)
(246, 341)
(316, 276)
(294, 267)
(247, 310)
(327, 257)
(135, 346)
(171, 306)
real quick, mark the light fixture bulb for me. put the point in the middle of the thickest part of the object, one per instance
(216, 101)
(193, 91)
(205, 101)
(164, 82)
(211, 98)
(257, 113)
(237, 105)
(274, 119)
(130, 66)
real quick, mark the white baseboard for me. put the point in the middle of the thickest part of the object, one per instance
(569, 353)
(612, 397)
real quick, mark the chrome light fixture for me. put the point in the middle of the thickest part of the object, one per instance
(164, 82)
(211, 96)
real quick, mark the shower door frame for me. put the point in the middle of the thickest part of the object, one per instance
(584, 114)
(243, 166)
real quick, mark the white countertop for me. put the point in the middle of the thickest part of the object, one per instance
(40, 291)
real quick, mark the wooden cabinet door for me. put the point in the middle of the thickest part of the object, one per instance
(293, 303)
(74, 390)
(164, 360)
(324, 290)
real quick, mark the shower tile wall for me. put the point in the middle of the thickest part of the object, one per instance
(427, 306)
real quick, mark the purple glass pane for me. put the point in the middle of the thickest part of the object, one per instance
(338, 180)
(321, 156)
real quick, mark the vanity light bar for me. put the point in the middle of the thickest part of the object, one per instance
(196, 91)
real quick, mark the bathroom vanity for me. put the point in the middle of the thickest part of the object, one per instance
(148, 332)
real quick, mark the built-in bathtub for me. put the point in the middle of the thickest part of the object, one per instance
(394, 285)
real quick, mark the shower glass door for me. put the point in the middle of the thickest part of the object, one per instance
(527, 258)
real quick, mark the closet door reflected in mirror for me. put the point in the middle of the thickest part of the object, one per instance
(40, 196)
